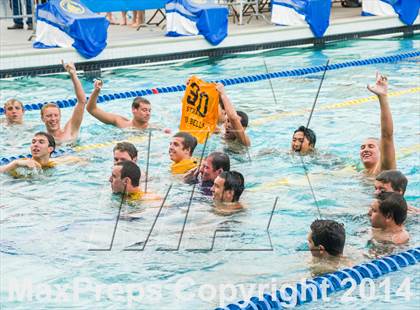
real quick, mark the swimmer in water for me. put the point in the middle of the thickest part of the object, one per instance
(303, 140)
(387, 215)
(326, 242)
(210, 169)
(126, 176)
(42, 145)
(378, 155)
(181, 149)
(124, 151)
(235, 121)
(14, 111)
(51, 114)
(227, 189)
(393, 181)
(140, 108)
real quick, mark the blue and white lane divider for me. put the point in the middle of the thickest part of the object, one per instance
(321, 287)
(233, 81)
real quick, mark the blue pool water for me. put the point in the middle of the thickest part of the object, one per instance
(52, 225)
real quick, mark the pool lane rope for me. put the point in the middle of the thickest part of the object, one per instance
(138, 139)
(344, 104)
(232, 81)
(312, 289)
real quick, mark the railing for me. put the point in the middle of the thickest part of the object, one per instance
(21, 11)
(16, 9)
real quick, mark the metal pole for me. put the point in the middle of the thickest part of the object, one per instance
(34, 5)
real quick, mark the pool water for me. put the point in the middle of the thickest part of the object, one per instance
(55, 228)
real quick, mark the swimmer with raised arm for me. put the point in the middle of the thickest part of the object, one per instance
(235, 121)
(140, 108)
(378, 155)
(51, 114)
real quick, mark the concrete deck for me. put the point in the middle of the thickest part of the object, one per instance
(127, 46)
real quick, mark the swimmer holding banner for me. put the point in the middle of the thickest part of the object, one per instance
(200, 112)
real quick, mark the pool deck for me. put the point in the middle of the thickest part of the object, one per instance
(127, 46)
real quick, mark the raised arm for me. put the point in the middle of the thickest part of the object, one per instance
(234, 118)
(104, 117)
(76, 119)
(387, 147)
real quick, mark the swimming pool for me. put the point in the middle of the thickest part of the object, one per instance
(52, 226)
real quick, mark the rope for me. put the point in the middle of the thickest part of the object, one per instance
(311, 290)
(332, 106)
(232, 81)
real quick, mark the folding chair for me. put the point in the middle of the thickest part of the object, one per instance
(159, 15)
(241, 8)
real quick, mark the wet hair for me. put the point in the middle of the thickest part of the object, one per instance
(308, 133)
(244, 118)
(219, 160)
(190, 142)
(396, 178)
(49, 105)
(393, 205)
(137, 101)
(126, 147)
(51, 140)
(330, 234)
(233, 181)
(13, 101)
(130, 170)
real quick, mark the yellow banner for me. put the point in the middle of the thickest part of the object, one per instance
(200, 108)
